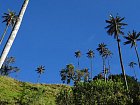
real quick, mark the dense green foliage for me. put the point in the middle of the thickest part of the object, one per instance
(96, 92)
(71, 74)
(99, 92)
(13, 92)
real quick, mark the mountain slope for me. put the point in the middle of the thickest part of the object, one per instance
(13, 92)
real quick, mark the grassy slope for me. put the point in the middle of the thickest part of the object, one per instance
(13, 92)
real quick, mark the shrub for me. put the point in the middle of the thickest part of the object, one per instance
(97, 92)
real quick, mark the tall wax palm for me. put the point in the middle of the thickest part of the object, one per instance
(40, 70)
(132, 38)
(102, 51)
(9, 18)
(13, 33)
(78, 55)
(101, 48)
(108, 56)
(90, 55)
(132, 65)
(115, 28)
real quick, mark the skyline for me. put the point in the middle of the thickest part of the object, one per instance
(49, 35)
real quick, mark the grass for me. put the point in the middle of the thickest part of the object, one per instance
(13, 92)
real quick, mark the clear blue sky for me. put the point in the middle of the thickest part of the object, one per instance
(52, 30)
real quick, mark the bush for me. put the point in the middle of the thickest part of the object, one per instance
(96, 92)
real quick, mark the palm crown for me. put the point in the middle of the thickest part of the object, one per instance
(78, 54)
(90, 54)
(108, 53)
(132, 38)
(132, 64)
(115, 26)
(40, 69)
(102, 49)
(10, 18)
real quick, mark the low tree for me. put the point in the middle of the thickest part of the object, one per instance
(86, 75)
(7, 67)
(82, 75)
(69, 74)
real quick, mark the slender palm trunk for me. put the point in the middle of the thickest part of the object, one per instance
(78, 63)
(109, 68)
(109, 65)
(1, 39)
(121, 62)
(137, 55)
(38, 78)
(104, 68)
(91, 67)
(135, 73)
(13, 33)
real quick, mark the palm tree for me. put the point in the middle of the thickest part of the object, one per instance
(108, 56)
(40, 70)
(13, 33)
(132, 38)
(102, 51)
(10, 18)
(78, 55)
(132, 65)
(90, 55)
(115, 28)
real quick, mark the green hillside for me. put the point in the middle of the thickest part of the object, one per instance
(13, 92)
(96, 92)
